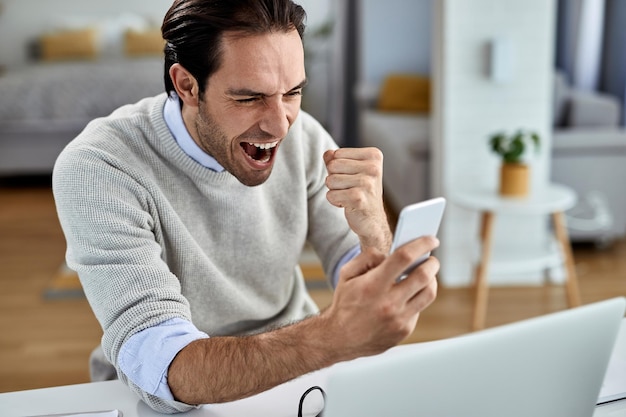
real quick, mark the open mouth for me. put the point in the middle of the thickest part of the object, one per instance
(260, 152)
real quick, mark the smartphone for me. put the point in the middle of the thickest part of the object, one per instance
(417, 220)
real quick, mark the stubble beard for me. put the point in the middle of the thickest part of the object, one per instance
(216, 143)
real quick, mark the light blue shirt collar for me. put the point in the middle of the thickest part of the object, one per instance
(174, 120)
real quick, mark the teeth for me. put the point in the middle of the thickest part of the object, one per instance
(265, 145)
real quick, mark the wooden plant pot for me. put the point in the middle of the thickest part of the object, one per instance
(514, 180)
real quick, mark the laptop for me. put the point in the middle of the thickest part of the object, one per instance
(549, 366)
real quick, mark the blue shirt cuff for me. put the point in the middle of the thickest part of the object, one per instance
(147, 355)
(344, 260)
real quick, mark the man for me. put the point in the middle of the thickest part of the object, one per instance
(185, 215)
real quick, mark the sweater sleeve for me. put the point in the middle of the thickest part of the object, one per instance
(329, 233)
(110, 233)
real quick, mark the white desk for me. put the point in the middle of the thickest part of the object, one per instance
(277, 402)
(616, 408)
(552, 200)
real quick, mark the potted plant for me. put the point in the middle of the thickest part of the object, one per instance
(514, 172)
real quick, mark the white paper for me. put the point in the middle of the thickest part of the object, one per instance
(106, 413)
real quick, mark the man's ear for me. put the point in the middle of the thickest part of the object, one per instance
(185, 84)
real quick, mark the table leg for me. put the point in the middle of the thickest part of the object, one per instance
(571, 282)
(480, 280)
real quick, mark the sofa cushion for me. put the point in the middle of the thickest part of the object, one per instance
(410, 132)
(405, 93)
(593, 109)
(69, 45)
(589, 141)
(147, 42)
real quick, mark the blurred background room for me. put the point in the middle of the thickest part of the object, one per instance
(426, 81)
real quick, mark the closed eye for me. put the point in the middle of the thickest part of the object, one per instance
(247, 100)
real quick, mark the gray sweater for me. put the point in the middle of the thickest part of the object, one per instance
(154, 235)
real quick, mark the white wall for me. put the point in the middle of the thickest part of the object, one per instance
(469, 106)
(317, 12)
(318, 59)
(395, 37)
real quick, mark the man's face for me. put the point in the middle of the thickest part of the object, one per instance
(250, 103)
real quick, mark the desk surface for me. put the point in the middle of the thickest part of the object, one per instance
(275, 402)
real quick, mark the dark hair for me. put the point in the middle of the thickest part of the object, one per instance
(193, 30)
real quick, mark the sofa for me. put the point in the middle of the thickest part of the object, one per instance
(588, 151)
(73, 76)
(589, 155)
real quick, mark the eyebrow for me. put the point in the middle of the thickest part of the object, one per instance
(248, 92)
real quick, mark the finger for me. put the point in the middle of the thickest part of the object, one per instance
(360, 264)
(423, 298)
(344, 181)
(370, 166)
(328, 156)
(367, 176)
(353, 199)
(419, 279)
(359, 153)
(347, 166)
(406, 254)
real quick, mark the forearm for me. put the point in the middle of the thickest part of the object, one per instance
(369, 314)
(222, 369)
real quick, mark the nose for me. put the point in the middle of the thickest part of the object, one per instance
(277, 117)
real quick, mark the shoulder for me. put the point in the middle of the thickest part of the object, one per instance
(147, 112)
(117, 130)
(308, 133)
(115, 142)
(306, 124)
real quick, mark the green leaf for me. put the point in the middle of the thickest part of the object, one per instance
(512, 147)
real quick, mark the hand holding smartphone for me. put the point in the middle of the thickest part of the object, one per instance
(417, 220)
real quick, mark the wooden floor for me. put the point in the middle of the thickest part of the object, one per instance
(46, 342)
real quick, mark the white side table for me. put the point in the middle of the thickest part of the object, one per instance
(552, 200)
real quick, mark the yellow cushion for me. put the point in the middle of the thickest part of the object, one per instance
(405, 93)
(69, 44)
(148, 42)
